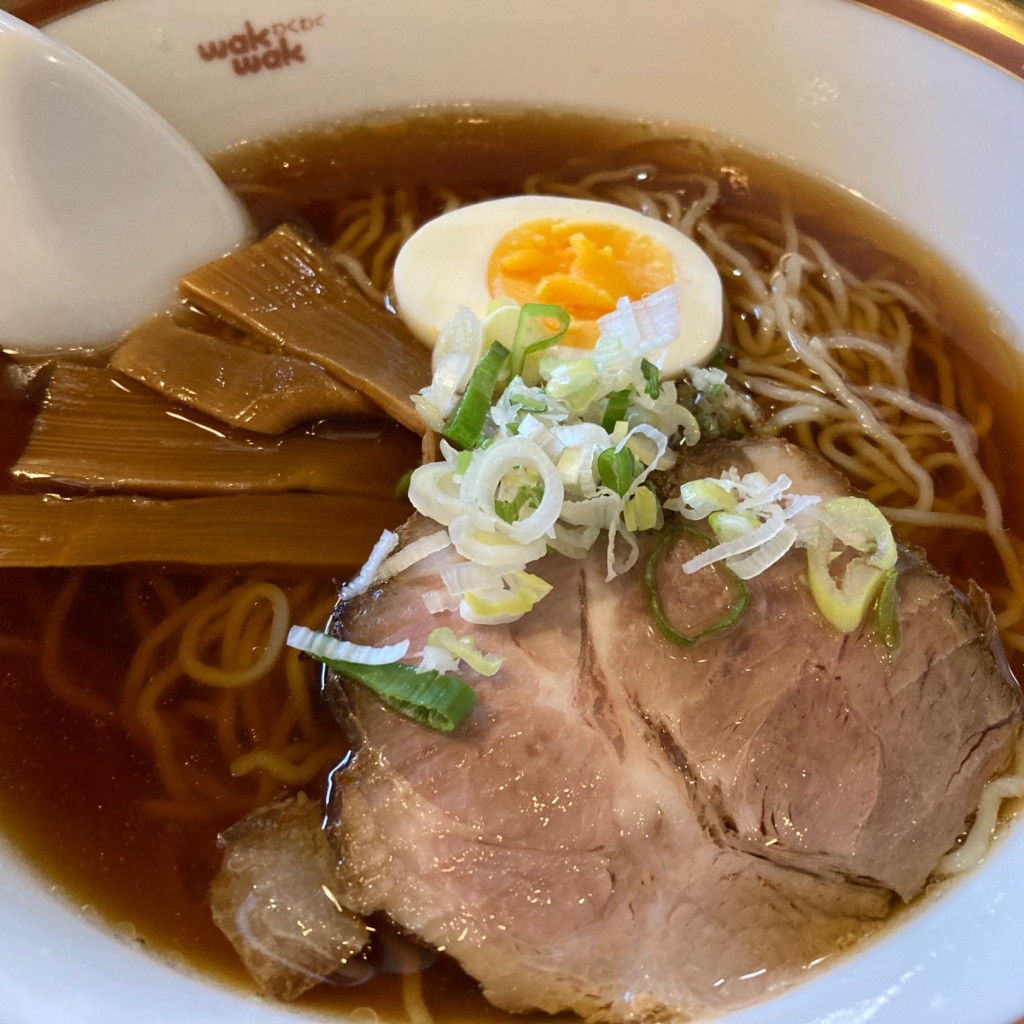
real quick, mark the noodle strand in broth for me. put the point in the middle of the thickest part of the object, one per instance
(208, 665)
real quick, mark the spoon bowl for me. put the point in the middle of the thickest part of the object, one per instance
(104, 205)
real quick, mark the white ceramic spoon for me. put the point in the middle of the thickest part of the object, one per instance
(103, 205)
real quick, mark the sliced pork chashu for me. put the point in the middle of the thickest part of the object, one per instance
(634, 830)
(808, 746)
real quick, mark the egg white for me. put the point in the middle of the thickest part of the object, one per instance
(443, 267)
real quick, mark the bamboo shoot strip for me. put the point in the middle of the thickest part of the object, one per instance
(104, 433)
(282, 290)
(268, 393)
(297, 530)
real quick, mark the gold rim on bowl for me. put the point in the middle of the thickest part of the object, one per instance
(990, 29)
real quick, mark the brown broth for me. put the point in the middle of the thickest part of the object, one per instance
(74, 810)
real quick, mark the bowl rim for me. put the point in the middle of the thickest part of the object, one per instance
(990, 29)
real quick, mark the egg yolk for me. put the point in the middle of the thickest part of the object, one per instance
(582, 267)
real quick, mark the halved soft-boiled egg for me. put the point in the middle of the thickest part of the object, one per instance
(580, 254)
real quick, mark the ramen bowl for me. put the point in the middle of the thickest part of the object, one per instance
(915, 106)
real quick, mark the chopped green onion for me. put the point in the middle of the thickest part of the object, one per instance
(727, 526)
(438, 701)
(618, 469)
(845, 604)
(402, 487)
(574, 381)
(861, 525)
(887, 610)
(466, 423)
(496, 605)
(641, 511)
(615, 411)
(707, 495)
(527, 496)
(732, 614)
(528, 402)
(618, 434)
(323, 646)
(652, 378)
(466, 650)
(533, 335)
(858, 524)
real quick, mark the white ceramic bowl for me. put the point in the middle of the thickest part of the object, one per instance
(918, 126)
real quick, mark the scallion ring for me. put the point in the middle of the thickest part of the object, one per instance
(437, 701)
(735, 610)
(465, 426)
(533, 335)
